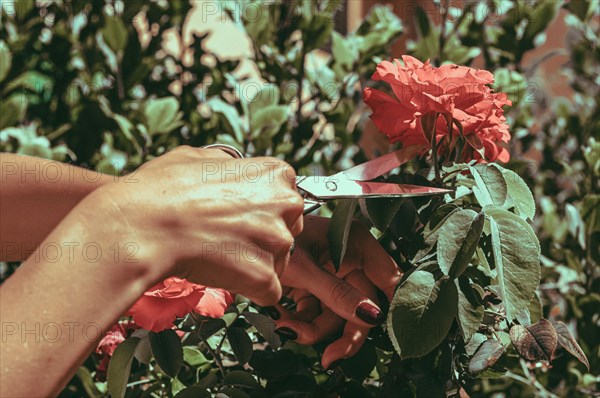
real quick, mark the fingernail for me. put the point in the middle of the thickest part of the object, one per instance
(287, 333)
(369, 313)
(272, 312)
(334, 364)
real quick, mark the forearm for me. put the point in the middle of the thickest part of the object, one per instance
(36, 195)
(61, 301)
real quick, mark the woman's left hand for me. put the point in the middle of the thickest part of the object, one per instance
(328, 300)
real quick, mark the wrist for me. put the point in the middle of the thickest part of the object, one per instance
(98, 221)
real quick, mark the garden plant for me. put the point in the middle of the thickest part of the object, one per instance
(499, 293)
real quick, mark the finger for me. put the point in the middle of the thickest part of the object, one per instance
(322, 327)
(266, 292)
(352, 339)
(308, 308)
(354, 335)
(342, 298)
(376, 263)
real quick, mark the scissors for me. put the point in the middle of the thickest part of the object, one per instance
(354, 182)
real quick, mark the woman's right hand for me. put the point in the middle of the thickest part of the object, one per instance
(206, 217)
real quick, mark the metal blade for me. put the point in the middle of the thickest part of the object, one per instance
(381, 165)
(326, 188)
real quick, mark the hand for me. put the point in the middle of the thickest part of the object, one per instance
(326, 300)
(211, 219)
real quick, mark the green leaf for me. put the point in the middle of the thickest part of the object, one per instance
(382, 211)
(476, 340)
(120, 366)
(535, 342)
(516, 254)
(231, 116)
(344, 51)
(535, 309)
(13, 111)
(566, 340)
(87, 382)
(240, 378)
(458, 239)
(436, 221)
(421, 314)
(266, 122)
(240, 344)
(211, 326)
(176, 386)
(162, 115)
(194, 356)
(167, 350)
(115, 33)
(470, 312)
(519, 193)
(231, 392)
(193, 392)
(486, 356)
(360, 365)
(5, 60)
(490, 187)
(339, 230)
(268, 95)
(265, 326)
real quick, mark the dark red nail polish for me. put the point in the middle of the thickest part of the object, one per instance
(287, 333)
(369, 313)
(272, 312)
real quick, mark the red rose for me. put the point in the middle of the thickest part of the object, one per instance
(214, 302)
(175, 297)
(456, 92)
(158, 307)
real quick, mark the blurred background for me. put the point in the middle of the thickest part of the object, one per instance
(111, 84)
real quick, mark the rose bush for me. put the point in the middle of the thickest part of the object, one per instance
(90, 92)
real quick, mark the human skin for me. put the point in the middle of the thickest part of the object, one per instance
(55, 308)
(366, 266)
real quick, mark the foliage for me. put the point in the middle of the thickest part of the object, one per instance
(79, 82)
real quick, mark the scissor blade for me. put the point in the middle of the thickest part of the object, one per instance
(381, 165)
(336, 188)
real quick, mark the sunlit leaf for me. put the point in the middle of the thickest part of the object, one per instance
(5, 60)
(115, 33)
(516, 255)
(490, 187)
(519, 192)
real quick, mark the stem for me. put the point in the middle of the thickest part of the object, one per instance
(135, 383)
(215, 355)
(300, 82)
(434, 157)
(532, 379)
(120, 88)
